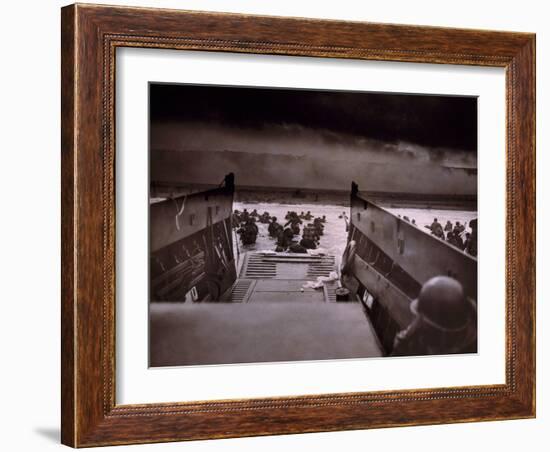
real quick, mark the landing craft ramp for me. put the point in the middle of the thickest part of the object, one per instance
(266, 276)
(265, 317)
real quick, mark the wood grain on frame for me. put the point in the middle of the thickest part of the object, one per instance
(90, 36)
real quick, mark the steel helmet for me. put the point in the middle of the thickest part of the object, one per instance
(443, 305)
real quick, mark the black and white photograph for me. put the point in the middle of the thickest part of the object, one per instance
(298, 225)
(235, 225)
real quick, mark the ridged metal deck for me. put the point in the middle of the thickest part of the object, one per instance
(266, 277)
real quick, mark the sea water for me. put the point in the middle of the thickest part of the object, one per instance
(334, 239)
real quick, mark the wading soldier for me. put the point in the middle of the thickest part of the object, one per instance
(273, 227)
(249, 232)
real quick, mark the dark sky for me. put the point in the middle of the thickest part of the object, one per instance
(445, 121)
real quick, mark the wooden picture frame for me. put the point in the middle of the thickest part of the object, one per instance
(90, 36)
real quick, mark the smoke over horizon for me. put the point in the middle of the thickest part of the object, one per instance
(198, 134)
